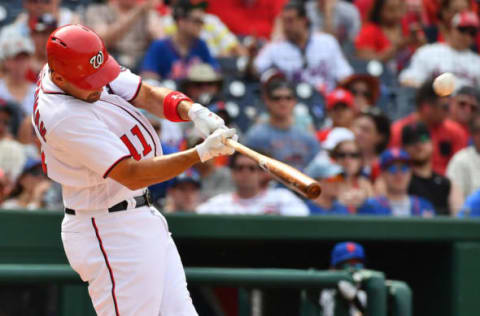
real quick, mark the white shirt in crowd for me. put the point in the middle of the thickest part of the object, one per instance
(463, 170)
(322, 64)
(271, 201)
(434, 59)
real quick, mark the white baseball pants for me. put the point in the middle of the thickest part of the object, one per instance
(130, 262)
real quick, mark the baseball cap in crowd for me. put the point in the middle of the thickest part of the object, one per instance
(390, 156)
(12, 43)
(465, 19)
(43, 23)
(189, 176)
(202, 72)
(32, 166)
(336, 136)
(372, 82)
(339, 96)
(415, 133)
(323, 168)
(182, 8)
(346, 251)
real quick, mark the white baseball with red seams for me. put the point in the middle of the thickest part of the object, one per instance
(128, 258)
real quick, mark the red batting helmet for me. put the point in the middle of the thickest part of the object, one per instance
(79, 54)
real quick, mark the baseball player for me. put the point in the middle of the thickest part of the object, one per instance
(105, 153)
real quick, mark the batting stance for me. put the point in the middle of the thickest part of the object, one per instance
(105, 153)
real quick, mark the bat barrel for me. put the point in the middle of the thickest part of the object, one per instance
(313, 190)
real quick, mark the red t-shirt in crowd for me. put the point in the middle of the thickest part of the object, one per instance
(247, 17)
(372, 36)
(447, 137)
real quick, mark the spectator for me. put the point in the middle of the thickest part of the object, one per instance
(372, 133)
(12, 155)
(220, 41)
(364, 88)
(447, 136)
(443, 12)
(260, 14)
(37, 8)
(453, 56)
(15, 57)
(303, 56)
(279, 136)
(40, 29)
(126, 26)
(439, 190)
(340, 110)
(173, 56)
(30, 189)
(396, 173)
(184, 193)
(331, 177)
(215, 179)
(203, 84)
(248, 197)
(385, 36)
(348, 256)
(337, 17)
(463, 169)
(471, 208)
(5, 186)
(346, 152)
(463, 105)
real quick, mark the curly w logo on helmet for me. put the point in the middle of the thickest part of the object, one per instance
(97, 60)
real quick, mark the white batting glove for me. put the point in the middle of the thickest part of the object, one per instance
(213, 145)
(205, 121)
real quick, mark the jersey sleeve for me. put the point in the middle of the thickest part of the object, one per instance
(418, 71)
(126, 85)
(264, 60)
(89, 142)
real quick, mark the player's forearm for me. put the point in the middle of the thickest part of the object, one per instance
(139, 174)
(151, 99)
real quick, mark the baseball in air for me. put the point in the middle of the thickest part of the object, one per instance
(444, 84)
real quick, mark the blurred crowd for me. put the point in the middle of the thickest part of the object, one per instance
(341, 90)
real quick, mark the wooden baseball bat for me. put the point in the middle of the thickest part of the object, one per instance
(284, 173)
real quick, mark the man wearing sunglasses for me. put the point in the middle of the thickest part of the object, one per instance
(464, 104)
(447, 136)
(172, 57)
(396, 174)
(249, 198)
(453, 56)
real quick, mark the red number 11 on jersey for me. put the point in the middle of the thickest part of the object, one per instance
(133, 151)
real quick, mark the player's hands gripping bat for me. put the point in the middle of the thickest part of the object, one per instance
(205, 121)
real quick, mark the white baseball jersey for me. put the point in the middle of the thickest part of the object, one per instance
(272, 201)
(82, 142)
(321, 64)
(434, 59)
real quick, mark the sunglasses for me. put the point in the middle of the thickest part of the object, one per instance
(343, 155)
(198, 21)
(281, 97)
(39, 1)
(463, 104)
(240, 168)
(365, 93)
(472, 31)
(394, 169)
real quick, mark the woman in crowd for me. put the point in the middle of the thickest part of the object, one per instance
(15, 57)
(387, 35)
(372, 134)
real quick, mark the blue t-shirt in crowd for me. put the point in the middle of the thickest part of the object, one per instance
(163, 58)
(380, 205)
(471, 207)
(293, 146)
(336, 209)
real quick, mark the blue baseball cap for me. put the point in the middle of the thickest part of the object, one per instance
(189, 176)
(345, 251)
(390, 156)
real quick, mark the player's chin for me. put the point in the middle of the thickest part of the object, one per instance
(93, 97)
